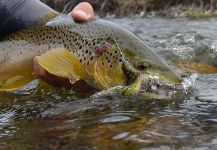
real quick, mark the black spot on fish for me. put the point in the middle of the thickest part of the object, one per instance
(67, 47)
(86, 51)
(110, 66)
(21, 52)
(80, 47)
(120, 60)
(116, 52)
(91, 58)
(109, 61)
(80, 60)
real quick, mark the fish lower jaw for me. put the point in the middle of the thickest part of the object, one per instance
(152, 88)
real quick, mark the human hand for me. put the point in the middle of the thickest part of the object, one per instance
(81, 13)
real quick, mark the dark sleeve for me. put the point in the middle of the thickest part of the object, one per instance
(19, 14)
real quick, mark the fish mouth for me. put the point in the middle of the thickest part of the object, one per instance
(151, 87)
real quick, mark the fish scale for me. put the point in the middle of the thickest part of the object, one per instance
(40, 39)
(90, 51)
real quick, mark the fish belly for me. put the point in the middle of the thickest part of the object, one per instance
(16, 68)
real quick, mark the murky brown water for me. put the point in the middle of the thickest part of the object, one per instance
(35, 118)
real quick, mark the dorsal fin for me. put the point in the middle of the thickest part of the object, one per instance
(44, 19)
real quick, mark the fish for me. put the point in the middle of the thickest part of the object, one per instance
(100, 52)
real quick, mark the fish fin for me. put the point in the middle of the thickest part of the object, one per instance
(108, 69)
(196, 67)
(91, 19)
(43, 20)
(63, 63)
(15, 82)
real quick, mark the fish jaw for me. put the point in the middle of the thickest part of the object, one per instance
(148, 87)
(133, 88)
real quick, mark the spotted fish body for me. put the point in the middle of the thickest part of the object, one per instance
(92, 51)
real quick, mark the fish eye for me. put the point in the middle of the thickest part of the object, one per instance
(142, 66)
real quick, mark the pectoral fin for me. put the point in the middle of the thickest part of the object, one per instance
(63, 63)
(15, 82)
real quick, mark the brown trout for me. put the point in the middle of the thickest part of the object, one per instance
(95, 52)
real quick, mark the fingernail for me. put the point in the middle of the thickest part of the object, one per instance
(81, 13)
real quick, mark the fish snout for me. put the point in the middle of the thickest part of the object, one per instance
(160, 71)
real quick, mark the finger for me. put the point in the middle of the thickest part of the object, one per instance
(49, 78)
(39, 71)
(82, 12)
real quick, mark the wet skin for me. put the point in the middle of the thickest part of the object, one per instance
(81, 13)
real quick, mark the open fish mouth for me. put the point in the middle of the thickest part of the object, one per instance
(152, 88)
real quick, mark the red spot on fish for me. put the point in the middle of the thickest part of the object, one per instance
(98, 50)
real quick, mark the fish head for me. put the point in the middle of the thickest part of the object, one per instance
(157, 70)
(139, 54)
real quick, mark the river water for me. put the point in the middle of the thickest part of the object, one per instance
(40, 118)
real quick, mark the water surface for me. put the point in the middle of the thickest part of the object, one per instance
(36, 118)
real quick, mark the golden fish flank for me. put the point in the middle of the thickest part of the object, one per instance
(66, 54)
(90, 51)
